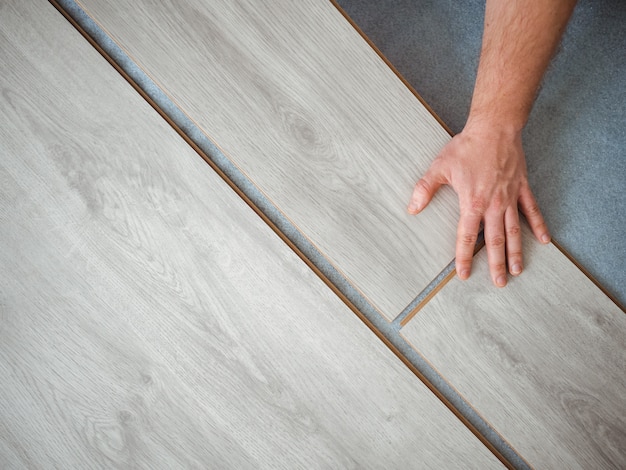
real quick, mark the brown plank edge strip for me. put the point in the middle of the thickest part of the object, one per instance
(479, 246)
(391, 66)
(289, 243)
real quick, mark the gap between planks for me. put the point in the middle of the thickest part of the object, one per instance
(386, 331)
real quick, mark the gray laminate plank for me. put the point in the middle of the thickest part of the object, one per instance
(149, 319)
(543, 360)
(308, 111)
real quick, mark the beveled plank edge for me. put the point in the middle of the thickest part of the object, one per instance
(213, 155)
(387, 332)
(408, 315)
(515, 459)
(449, 271)
(589, 276)
(469, 416)
(434, 287)
(391, 66)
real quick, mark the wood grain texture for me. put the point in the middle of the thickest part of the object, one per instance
(149, 319)
(543, 360)
(303, 106)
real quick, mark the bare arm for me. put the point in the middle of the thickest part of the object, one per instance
(485, 163)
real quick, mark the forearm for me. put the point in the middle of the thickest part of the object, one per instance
(485, 163)
(519, 40)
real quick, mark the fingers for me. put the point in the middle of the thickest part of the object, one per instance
(513, 235)
(467, 234)
(530, 209)
(489, 193)
(424, 190)
(503, 240)
(495, 241)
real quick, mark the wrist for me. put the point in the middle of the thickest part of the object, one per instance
(494, 126)
(497, 113)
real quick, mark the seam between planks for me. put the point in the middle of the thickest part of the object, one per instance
(433, 288)
(387, 332)
(448, 273)
(522, 463)
(215, 156)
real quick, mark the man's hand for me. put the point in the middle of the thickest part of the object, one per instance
(487, 169)
(485, 163)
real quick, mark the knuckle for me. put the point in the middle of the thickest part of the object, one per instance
(533, 210)
(478, 205)
(496, 241)
(513, 230)
(423, 186)
(497, 267)
(497, 202)
(469, 239)
(463, 262)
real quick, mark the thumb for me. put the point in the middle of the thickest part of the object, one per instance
(424, 190)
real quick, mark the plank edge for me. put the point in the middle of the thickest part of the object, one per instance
(386, 341)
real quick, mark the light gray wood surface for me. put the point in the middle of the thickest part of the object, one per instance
(298, 100)
(149, 319)
(543, 360)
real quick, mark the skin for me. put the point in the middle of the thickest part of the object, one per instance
(485, 163)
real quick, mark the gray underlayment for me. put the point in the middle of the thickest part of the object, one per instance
(575, 141)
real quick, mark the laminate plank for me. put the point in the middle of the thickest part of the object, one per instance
(543, 360)
(308, 111)
(149, 318)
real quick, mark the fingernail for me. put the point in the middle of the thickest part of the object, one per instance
(464, 274)
(545, 238)
(501, 281)
(414, 208)
(516, 269)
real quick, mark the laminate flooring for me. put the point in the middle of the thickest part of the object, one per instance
(149, 318)
(543, 360)
(313, 116)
